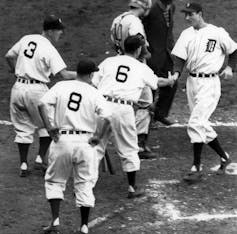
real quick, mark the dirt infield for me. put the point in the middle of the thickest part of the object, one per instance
(170, 206)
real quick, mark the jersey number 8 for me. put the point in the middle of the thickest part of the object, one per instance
(74, 101)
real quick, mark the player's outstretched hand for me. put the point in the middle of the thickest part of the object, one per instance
(93, 141)
(54, 134)
(227, 73)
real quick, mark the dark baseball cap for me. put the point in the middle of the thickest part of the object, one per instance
(52, 22)
(192, 7)
(86, 66)
(132, 43)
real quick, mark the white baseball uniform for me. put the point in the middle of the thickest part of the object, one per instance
(36, 58)
(122, 79)
(124, 25)
(76, 105)
(204, 51)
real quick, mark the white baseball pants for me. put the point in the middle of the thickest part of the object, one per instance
(72, 155)
(24, 111)
(124, 136)
(203, 96)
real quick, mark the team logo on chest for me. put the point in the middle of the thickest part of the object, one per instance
(211, 44)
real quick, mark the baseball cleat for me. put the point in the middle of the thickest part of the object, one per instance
(83, 230)
(194, 175)
(146, 153)
(23, 170)
(51, 229)
(135, 193)
(221, 170)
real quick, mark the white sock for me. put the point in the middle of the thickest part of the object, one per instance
(56, 222)
(38, 159)
(84, 229)
(23, 166)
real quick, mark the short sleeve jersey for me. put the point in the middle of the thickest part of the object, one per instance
(124, 25)
(76, 105)
(124, 77)
(37, 58)
(204, 50)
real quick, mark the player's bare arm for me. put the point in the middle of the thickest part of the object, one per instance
(53, 132)
(165, 82)
(68, 75)
(11, 61)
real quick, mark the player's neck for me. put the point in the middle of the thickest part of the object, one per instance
(44, 34)
(131, 55)
(202, 24)
(84, 79)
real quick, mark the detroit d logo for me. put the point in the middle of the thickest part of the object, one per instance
(210, 45)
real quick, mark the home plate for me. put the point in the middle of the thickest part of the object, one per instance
(231, 169)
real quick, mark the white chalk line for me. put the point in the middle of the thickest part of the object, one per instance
(165, 207)
(214, 124)
(176, 125)
(169, 209)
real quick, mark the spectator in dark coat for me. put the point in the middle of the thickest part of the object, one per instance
(158, 26)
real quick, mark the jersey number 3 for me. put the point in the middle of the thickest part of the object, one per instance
(74, 101)
(122, 75)
(29, 52)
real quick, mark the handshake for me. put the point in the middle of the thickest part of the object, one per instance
(170, 81)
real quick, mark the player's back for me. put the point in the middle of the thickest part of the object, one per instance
(76, 105)
(122, 76)
(34, 53)
(125, 25)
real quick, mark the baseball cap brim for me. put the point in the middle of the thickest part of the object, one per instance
(188, 10)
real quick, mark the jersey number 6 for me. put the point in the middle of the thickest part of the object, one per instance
(122, 75)
(74, 101)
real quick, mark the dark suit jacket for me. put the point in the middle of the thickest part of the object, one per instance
(160, 38)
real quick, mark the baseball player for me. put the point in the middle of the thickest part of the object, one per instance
(32, 59)
(203, 47)
(128, 24)
(121, 79)
(75, 105)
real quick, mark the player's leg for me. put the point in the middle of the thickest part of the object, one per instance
(23, 126)
(143, 120)
(57, 174)
(124, 130)
(33, 97)
(85, 171)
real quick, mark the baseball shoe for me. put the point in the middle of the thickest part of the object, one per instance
(224, 163)
(194, 175)
(144, 154)
(23, 170)
(164, 120)
(133, 192)
(39, 164)
(51, 229)
(83, 230)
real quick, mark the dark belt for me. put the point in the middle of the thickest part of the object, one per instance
(26, 81)
(71, 132)
(202, 75)
(118, 100)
